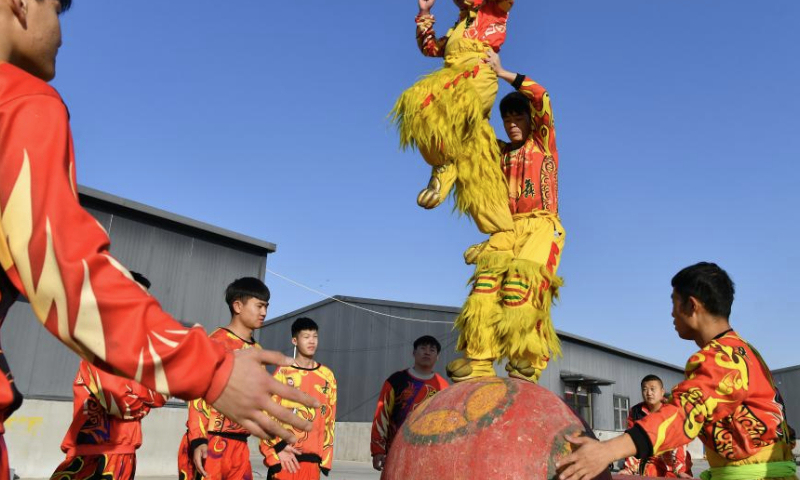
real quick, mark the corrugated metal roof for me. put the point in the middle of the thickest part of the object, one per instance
(206, 228)
(786, 369)
(456, 310)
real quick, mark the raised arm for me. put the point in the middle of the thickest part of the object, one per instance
(543, 125)
(428, 44)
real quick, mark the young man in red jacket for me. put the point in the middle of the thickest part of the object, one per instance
(56, 255)
(106, 429)
(728, 398)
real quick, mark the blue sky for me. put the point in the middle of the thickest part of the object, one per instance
(676, 125)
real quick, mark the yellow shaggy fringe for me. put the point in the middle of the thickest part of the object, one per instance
(482, 312)
(517, 329)
(482, 187)
(439, 121)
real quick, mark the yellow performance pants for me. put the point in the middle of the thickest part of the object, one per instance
(507, 314)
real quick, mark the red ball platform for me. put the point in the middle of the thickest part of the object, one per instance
(486, 428)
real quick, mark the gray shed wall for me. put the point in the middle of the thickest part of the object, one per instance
(189, 271)
(625, 372)
(788, 381)
(363, 349)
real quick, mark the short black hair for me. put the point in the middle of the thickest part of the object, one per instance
(709, 284)
(65, 4)
(652, 378)
(242, 289)
(303, 323)
(427, 340)
(141, 279)
(515, 102)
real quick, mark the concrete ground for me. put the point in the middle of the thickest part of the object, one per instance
(344, 470)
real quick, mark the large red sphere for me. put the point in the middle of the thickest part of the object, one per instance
(486, 428)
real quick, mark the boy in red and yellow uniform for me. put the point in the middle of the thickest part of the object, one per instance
(106, 429)
(313, 452)
(672, 464)
(215, 447)
(728, 398)
(403, 392)
(56, 255)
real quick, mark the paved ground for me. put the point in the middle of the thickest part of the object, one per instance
(363, 471)
(341, 471)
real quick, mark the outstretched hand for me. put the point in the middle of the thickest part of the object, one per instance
(425, 6)
(247, 398)
(589, 459)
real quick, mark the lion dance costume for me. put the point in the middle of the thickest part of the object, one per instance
(511, 194)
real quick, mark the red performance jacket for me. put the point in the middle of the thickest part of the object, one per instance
(317, 445)
(728, 399)
(401, 394)
(56, 254)
(487, 23)
(205, 419)
(108, 413)
(532, 169)
(667, 465)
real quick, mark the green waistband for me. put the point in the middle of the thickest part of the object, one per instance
(750, 472)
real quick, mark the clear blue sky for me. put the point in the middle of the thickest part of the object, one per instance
(677, 131)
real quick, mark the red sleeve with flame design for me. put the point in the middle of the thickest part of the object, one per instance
(119, 396)
(199, 415)
(428, 44)
(544, 131)
(381, 423)
(56, 254)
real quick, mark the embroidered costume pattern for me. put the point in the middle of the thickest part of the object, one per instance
(667, 465)
(729, 400)
(400, 395)
(228, 454)
(317, 445)
(106, 423)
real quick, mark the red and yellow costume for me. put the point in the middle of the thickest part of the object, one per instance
(667, 465)
(228, 454)
(56, 254)
(106, 429)
(730, 401)
(400, 395)
(508, 311)
(446, 113)
(317, 445)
